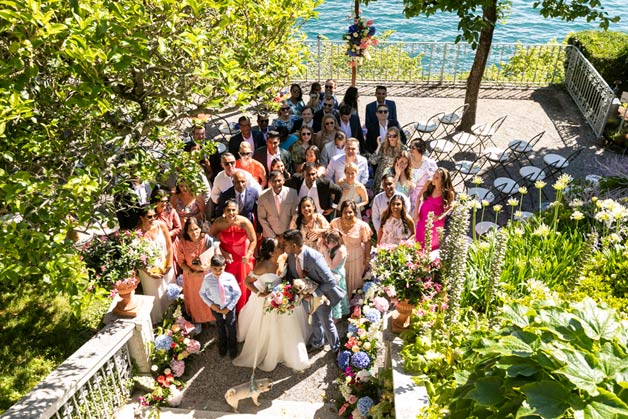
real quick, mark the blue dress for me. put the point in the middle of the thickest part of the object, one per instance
(342, 308)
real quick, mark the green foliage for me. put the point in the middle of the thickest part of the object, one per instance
(607, 51)
(547, 361)
(37, 333)
(537, 64)
(90, 93)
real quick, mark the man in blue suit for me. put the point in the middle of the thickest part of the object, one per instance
(245, 196)
(371, 109)
(303, 261)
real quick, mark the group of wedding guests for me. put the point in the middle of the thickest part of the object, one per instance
(313, 180)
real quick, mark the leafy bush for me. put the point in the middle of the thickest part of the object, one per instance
(547, 361)
(537, 64)
(607, 51)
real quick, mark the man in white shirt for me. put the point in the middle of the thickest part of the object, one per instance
(223, 180)
(380, 202)
(336, 168)
(333, 148)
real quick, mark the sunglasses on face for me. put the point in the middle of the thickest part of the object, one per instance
(306, 133)
(328, 105)
(245, 154)
(329, 123)
(392, 135)
(382, 111)
(284, 109)
(229, 163)
(329, 87)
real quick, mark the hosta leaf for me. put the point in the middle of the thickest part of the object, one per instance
(547, 398)
(487, 391)
(597, 322)
(517, 314)
(578, 371)
(610, 399)
(516, 366)
(597, 410)
(611, 365)
(512, 345)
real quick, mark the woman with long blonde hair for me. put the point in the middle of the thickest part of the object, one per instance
(387, 151)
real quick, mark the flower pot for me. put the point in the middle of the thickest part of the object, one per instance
(401, 321)
(127, 306)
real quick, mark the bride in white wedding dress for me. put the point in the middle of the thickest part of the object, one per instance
(270, 338)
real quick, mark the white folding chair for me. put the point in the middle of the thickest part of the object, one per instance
(428, 128)
(524, 148)
(486, 131)
(467, 169)
(450, 121)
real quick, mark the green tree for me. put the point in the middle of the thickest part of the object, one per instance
(90, 93)
(477, 23)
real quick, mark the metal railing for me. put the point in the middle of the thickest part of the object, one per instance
(438, 63)
(92, 383)
(588, 89)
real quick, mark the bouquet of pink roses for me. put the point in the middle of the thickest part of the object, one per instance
(282, 299)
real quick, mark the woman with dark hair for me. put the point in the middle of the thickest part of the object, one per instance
(161, 200)
(357, 239)
(295, 101)
(187, 204)
(237, 244)
(156, 278)
(278, 165)
(351, 99)
(193, 253)
(313, 155)
(423, 168)
(270, 338)
(315, 97)
(335, 254)
(396, 224)
(436, 198)
(298, 149)
(310, 223)
(402, 173)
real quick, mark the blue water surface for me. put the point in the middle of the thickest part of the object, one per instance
(524, 23)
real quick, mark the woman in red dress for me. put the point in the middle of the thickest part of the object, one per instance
(237, 244)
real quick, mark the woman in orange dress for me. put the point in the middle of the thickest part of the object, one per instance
(193, 252)
(237, 245)
(246, 162)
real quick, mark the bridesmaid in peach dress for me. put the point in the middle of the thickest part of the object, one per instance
(237, 244)
(357, 238)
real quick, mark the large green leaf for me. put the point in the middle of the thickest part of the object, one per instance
(578, 371)
(518, 314)
(547, 398)
(597, 410)
(598, 323)
(487, 391)
(516, 366)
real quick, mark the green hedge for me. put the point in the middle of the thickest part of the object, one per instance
(607, 51)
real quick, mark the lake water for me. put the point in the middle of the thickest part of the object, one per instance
(524, 23)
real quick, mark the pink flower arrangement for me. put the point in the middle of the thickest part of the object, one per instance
(178, 367)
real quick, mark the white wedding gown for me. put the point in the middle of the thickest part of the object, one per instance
(276, 338)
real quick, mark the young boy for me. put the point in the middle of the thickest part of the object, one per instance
(221, 292)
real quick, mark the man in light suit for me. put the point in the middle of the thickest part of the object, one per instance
(304, 262)
(370, 115)
(276, 206)
(245, 196)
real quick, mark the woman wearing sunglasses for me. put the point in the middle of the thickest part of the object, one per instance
(298, 149)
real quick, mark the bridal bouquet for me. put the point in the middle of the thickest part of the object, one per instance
(282, 298)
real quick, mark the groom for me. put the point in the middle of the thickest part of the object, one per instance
(303, 261)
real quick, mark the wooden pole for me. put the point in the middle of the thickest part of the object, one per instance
(354, 68)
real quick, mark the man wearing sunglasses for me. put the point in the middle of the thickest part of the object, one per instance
(255, 138)
(328, 109)
(224, 179)
(378, 129)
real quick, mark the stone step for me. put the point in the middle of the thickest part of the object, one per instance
(279, 409)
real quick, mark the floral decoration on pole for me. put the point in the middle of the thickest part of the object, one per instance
(360, 36)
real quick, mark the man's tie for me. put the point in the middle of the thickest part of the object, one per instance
(299, 268)
(278, 203)
(241, 201)
(221, 291)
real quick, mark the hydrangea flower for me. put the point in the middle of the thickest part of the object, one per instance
(178, 367)
(163, 342)
(173, 291)
(364, 405)
(381, 304)
(352, 328)
(366, 287)
(193, 346)
(343, 359)
(360, 360)
(373, 315)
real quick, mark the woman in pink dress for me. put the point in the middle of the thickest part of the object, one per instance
(357, 239)
(237, 244)
(397, 226)
(193, 253)
(436, 197)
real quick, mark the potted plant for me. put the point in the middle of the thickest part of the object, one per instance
(408, 274)
(113, 262)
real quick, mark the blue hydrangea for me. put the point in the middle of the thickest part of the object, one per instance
(360, 360)
(173, 291)
(367, 286)
(352, 328)
(343, 359)
(364, 405)
(163, 342)
(180, 280)
(372, 314)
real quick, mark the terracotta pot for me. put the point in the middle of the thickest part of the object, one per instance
(127, 306)
(401, 321)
